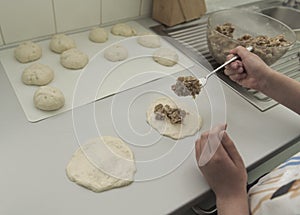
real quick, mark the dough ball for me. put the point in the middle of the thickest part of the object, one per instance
(37, 74)
(116, 53)
(165, 57)
(101, 164)
(48, 98)
(191, 123)
(61, 42)
(74, 59)
(149, 41)
(123, 29)
(27, 52)
(98, 35)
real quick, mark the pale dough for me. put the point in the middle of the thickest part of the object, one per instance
(37, 74)
(191, 123)
(123, 29)
(98, 35)
(165, 57)
(27, 52)
(48, 98)
(101, 164)
(61, 42)
(149, 40)
(116, 53)
(74, 59)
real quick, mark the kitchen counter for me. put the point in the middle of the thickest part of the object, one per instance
(33, 157)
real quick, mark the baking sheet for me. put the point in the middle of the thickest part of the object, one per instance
(100, 78)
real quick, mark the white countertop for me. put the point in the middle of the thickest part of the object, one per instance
(33, 157)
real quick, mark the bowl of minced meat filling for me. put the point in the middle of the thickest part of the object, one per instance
(230, 28)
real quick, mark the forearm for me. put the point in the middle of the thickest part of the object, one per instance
(282, 89)
(237, 205)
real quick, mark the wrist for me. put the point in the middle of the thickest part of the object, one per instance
(233, 204)
(264, 80)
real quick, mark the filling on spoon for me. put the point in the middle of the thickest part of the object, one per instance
(187, 86)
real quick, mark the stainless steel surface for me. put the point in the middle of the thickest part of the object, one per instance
(191, 39)
(289, 16)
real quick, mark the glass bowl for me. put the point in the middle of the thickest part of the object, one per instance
(297, 32)
(247, 22)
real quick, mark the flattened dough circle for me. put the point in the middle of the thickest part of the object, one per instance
(101, 164)
(190, 125)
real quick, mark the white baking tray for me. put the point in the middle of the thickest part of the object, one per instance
(100, 78)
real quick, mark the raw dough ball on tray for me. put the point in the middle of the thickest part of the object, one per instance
(165, 57)
(48, 98)
(74, 59)
(116, 53)
(172, 121)
(102, 164)
(27, 52)
(149, 40)
(61, 42)
(37, 74)
(123, 29)
(98, 35)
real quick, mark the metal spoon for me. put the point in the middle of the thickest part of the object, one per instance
(203, 80)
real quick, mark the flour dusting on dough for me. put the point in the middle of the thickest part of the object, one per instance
(101, 164)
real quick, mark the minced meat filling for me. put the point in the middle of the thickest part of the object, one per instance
(186, 86)
(226, 29)
(175, 115)
(264, 41)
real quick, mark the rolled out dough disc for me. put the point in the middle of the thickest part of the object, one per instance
(102, 164)
(192, 122)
